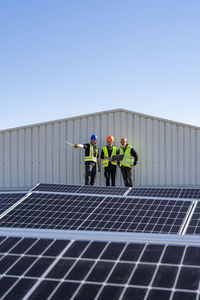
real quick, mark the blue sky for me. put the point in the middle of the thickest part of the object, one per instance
(70, 57)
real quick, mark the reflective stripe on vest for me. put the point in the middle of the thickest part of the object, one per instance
(128, 159)
(105, 162)
(91, 157)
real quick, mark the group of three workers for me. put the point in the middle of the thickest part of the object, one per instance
(92, 160)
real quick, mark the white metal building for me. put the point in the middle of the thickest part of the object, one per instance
(168, 151)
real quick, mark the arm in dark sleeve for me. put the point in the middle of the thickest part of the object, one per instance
(135, 155)
(118, 163)
(102, 154)
(85, 146)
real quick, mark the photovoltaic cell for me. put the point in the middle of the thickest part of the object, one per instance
(59, 188)
(96, 213)
(194, 224)
(8, 199)
(106, 275)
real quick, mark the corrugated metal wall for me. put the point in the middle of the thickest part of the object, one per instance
(168, 151)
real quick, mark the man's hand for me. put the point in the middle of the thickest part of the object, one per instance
(76, 146)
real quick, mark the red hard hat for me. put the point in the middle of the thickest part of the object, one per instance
(110, 138)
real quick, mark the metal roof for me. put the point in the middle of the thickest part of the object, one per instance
(101, 113)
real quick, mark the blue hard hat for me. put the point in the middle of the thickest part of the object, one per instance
(93, 137)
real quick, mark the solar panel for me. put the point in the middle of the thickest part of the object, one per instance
(87, 189)
(59, 188)
(106, 190)
(155, 192)
(52, 211)
(109, 190)
(8, 199)
(99, 270)
(190, 193)
(97, 213)
(194, 224)
(137, 215)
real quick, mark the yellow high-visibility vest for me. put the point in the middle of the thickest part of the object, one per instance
(105, 151)
(91, 156)
(128, 158)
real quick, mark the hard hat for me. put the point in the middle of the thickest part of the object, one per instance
(93, 137)
(110, 138)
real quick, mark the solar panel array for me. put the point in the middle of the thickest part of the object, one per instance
(50, 268)
(78, 212)
(63, 269)
(97, 213)
(8, 199)
(187, 193)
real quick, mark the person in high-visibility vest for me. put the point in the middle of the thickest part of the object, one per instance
(91, 159)
(110, 167)
(129, 161)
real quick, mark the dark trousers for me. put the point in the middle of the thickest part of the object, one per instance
(90, 174)
(110, 172)
(127, 176)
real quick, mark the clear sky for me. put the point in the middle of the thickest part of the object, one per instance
(62, 58)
